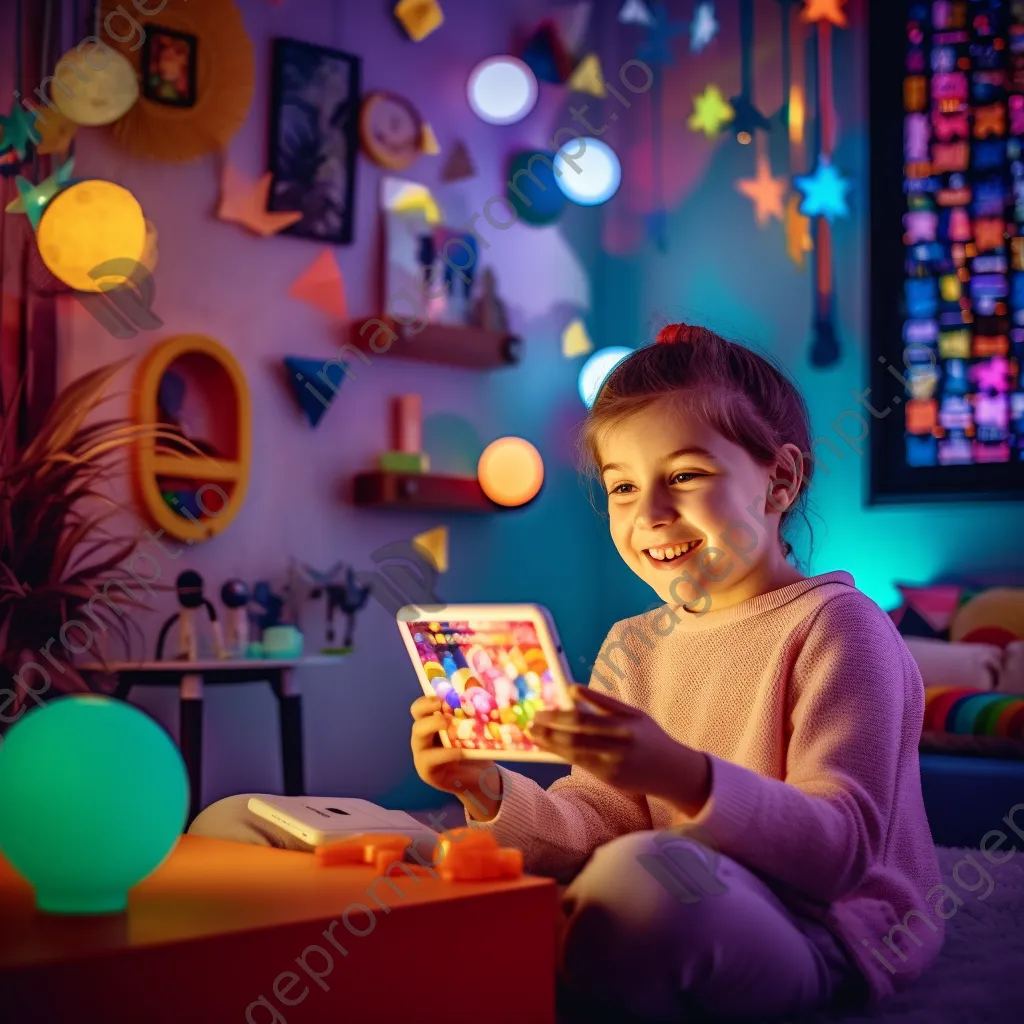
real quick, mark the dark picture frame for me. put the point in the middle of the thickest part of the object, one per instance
(892, 479)
(314, 138)
(156, 87)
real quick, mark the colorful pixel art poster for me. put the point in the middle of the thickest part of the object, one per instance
(956, 425)
(963, 247)
(492, 677)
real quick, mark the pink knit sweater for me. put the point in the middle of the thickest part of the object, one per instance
(810, 706)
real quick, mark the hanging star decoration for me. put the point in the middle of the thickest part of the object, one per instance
(635, 12)
(17, 130)
(711, 112)
(656, 49)
(704, 26)
(824, 192)
(245, 202)
(798, 232)
(33, 199)
(824, 10)
(55, 134)
(764, 191)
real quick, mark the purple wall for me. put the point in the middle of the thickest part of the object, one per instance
(216, 279)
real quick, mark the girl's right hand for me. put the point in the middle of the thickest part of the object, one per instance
(447, 768)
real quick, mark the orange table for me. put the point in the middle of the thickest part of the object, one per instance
(224, 933)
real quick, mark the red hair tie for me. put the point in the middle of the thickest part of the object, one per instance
(673, 334)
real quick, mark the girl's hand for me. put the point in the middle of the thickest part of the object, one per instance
(625, 748)
(447, 768)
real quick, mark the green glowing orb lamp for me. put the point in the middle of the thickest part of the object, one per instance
(93, 795)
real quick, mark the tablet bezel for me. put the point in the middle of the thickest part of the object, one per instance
(538, 616)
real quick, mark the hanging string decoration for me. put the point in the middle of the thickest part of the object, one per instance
(824, 190)
(747, 119)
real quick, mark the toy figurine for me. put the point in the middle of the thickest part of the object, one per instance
(190, 597)
(235, 597)
(346, 597)
(266, 607)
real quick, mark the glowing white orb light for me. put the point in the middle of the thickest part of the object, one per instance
(502, 90)
(588, 171)
(595, 371)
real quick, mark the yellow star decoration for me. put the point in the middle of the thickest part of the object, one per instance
(711, 112)
(765, 191)
(824, 10)
(798, 231)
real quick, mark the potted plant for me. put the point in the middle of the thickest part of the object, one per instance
(57, 558)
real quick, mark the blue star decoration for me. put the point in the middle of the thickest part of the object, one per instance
(824, 192)
(18, 130)
(657, 47)
(33, 199)
(704, 26)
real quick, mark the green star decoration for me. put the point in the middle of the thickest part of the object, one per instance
(19, 129)
(711, 112)
(33, 199)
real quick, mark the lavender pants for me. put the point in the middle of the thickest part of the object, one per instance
(659, 927)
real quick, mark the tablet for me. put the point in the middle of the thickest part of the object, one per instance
(494, 666)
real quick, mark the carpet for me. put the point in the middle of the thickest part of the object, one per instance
(977, 978)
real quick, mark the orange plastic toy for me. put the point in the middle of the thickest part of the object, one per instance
(465, 854)
(470, 854)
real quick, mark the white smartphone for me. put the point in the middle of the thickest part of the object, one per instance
(494, 666)
(322, 819)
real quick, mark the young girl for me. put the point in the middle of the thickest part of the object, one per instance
(743, 824)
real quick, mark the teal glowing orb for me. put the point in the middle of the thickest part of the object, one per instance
(588, 171)
(93, 796)
(595, 371)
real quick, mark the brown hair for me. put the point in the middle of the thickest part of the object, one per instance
(745, 397)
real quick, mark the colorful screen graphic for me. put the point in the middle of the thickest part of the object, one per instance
(492, 676)
(963, 247)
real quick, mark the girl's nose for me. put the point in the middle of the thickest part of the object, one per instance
(655, 509)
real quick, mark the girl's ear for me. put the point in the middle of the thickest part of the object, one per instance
(786, 480)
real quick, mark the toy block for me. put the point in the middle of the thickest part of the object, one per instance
(404, 462)
(362, 849)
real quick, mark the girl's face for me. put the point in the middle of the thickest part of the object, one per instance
(688, 509)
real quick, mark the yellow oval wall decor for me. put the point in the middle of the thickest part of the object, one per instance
(188, 486)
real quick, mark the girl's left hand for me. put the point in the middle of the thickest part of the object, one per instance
(624, 747)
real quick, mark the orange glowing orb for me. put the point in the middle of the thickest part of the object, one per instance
(510, 471)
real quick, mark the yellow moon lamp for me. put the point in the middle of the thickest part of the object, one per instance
(220, 481)
(88, 225)
(510, 471)
(91, 97)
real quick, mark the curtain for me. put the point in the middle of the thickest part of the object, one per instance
(30, 41)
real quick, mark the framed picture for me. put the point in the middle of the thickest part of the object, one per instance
(169, 63)
(314, 138)
(947, 251)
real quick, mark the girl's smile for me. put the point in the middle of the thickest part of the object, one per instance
(670, 556)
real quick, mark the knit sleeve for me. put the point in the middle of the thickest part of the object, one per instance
(855, 717)
(558, 828)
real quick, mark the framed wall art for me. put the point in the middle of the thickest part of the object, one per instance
(314, 138)
(947, 250)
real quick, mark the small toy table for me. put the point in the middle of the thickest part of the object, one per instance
(191, 679)
(225, 932)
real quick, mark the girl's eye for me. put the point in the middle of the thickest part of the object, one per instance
(621, 489)
(685, 478)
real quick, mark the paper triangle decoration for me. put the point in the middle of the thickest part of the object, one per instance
(419, 17)
(636, 12)
(245, 202)
(431, 147)
(572, 23)
(459, 164)
(935, 604)
(322, 285)
(588, 78)
(311, 391)
(546, 56)
(575, 340)
(434, 544)
(402, 196)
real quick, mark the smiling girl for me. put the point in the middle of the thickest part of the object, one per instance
(743, 826)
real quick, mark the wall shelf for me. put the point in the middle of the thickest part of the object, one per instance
(444, 344)
(380, 489)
